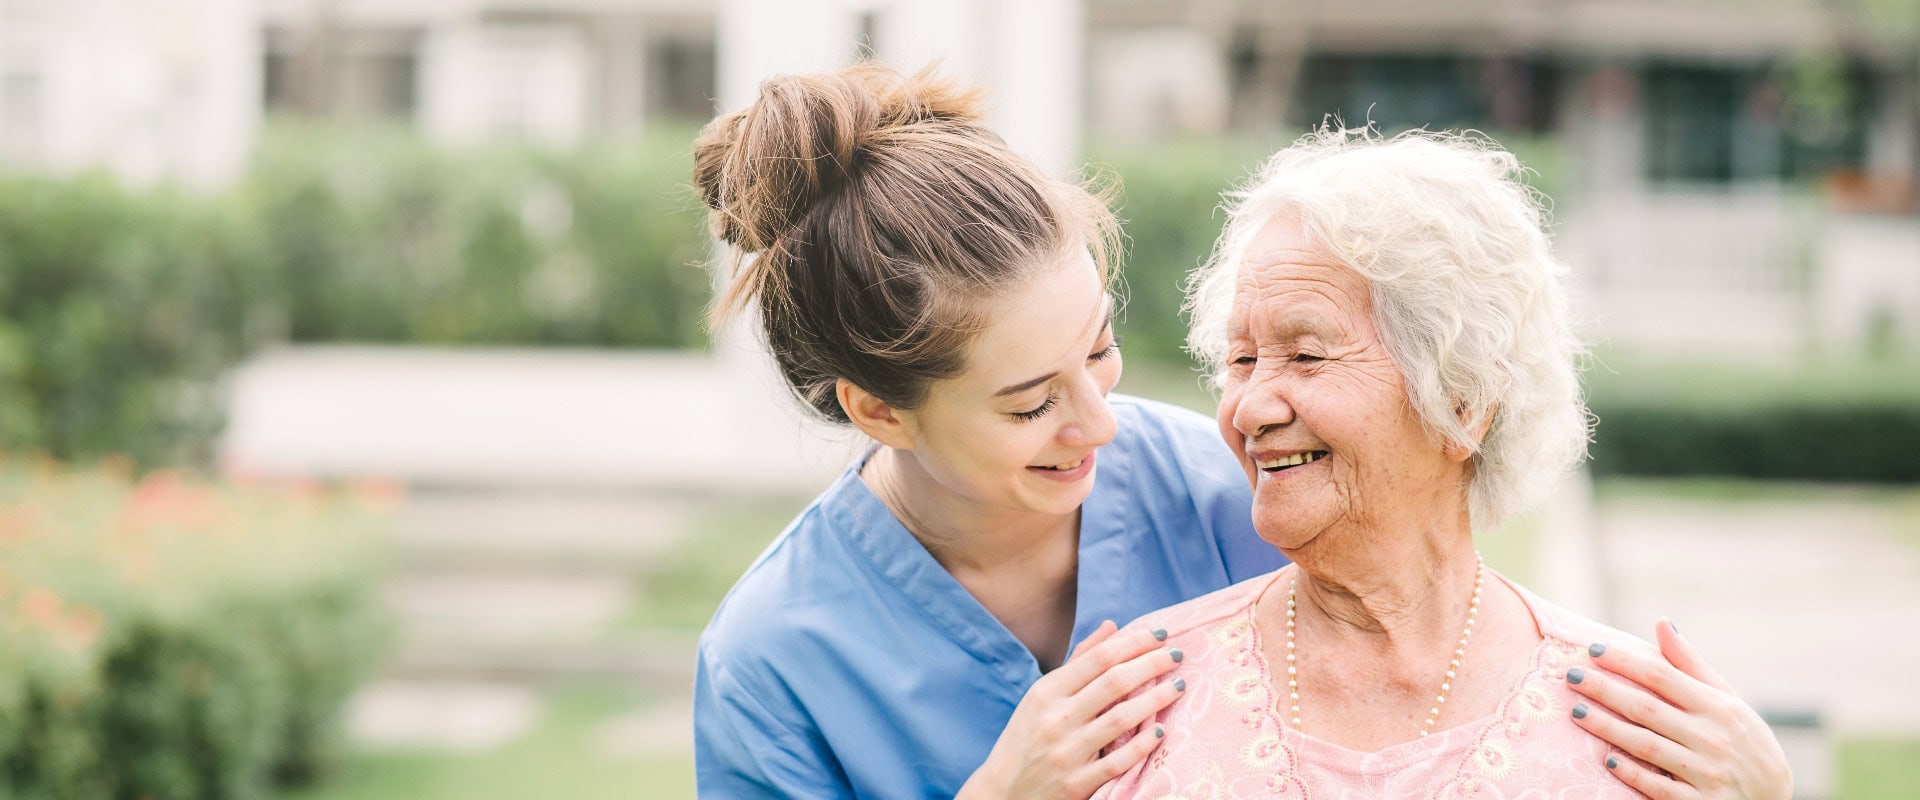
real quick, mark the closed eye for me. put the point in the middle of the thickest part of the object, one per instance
(1109, 351)
(1038, 411)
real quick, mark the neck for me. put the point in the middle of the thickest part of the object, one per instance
(963, 535)
(1409, 584)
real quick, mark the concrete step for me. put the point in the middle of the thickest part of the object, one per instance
(662, 660)
(520, 609)
(539, 529)
(455, 716)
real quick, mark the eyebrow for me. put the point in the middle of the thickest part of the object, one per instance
(1028, 384)
(1299, 323)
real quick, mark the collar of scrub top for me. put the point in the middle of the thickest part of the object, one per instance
(911, 570)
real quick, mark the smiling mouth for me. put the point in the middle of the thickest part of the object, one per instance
(1067, 467)
(1285, 463)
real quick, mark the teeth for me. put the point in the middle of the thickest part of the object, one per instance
(1065, 467)
(1290, 461)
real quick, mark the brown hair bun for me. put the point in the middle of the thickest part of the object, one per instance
(762, 169)
(870, 213)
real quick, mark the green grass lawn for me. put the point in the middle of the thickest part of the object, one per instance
(1878, 769)
(559, 758)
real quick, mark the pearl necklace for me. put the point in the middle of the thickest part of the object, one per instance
(1453, 667)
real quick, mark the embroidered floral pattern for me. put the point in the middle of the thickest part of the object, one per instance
(1244, 687)
(1229, 742)
(1262, 751)
(1494, 759)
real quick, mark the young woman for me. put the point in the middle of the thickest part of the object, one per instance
(908, 634)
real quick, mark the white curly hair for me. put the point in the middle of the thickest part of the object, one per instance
(1467, 293)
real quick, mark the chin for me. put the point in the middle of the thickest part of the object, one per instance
(1061, 500)
(1280, 529)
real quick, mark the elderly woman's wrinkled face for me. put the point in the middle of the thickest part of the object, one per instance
(1314, 406)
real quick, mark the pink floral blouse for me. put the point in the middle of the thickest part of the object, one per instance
(1225, 738)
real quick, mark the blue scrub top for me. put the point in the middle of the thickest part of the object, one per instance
(848, 663)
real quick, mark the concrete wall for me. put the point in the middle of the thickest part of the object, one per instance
(156, 90)
(494, 80)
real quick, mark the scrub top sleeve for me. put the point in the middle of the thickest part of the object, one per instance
(743, 748)
(1225, 504)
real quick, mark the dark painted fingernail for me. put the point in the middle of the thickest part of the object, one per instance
(1576, 675)
(1177, 655)
(1157, 733)
(1612, 763)
(1597, 650)
(1580, 711)
(1179, 684)
(1160, 634)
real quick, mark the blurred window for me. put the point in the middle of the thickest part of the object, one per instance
(20, 112)
(354, 73)
(1719, 124)
(1399, 92)
(684, 84)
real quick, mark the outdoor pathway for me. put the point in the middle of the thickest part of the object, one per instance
(1806, 604)
(500, 592)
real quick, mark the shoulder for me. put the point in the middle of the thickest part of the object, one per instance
(1563, 625)
(787, 594)
(1190, 622)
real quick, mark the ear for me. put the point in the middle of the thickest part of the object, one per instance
(1459, 452)
(873, 416)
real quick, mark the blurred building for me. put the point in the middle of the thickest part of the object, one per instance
(557, 70)
(546, 70)
(1679, 136)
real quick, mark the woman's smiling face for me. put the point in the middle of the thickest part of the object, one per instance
(1313, 405)
(1019, 427)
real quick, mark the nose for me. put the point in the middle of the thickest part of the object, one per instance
(1259, 406)
(1093, 424)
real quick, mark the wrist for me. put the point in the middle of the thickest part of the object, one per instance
(986, 783)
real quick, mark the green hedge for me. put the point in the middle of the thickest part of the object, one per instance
(1168, 199)
(377, 236)
(1818, 419)
(174, 639)
(120, 309)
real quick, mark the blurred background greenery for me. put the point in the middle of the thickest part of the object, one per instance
(177, 627)
(121, 309)
(170, 637)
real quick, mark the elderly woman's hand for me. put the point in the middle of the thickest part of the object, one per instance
(1680, 716)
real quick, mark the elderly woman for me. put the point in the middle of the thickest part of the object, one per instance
(1390, 335)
